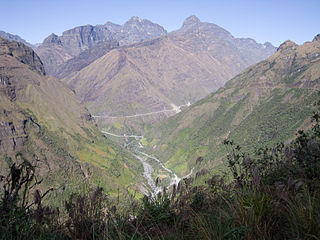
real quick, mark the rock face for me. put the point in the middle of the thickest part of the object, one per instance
(56, 50)
(22, 53)
(12, 135)
(135, 30)
(81, 38)
(185, 65)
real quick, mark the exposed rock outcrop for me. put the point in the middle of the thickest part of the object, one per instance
(22, 53)
(12, 136)
(56, 50)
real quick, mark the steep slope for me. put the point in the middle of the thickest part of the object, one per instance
(155, 75)
(41, 118)
(56, 50)
(262, 106)
(16, 38)
(84, 58)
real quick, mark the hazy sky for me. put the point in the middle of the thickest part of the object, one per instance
(263, 20)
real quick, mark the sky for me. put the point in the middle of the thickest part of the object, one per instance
(263, 20)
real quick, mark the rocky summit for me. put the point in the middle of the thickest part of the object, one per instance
(56, 50)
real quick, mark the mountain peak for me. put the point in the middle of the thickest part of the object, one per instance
(316, 38)
(52, 38)
(191, 20)
(268, 45)
(135, 19)
(287, 45)
(190, 23)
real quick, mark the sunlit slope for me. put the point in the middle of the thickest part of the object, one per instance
(42, 118)
(263, 105)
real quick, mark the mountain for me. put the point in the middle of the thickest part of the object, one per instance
(135, 30)
(162, 73)
(56, 50)
(262, 106)
(16, 38)
(84, 58)
(42, 118)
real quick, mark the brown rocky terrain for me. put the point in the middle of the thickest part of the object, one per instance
(183, 66)
(56, 50)
(84, 58)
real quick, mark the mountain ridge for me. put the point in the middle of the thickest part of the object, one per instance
(265, 104)
(12, 37)
(180, 67)
(56, 50)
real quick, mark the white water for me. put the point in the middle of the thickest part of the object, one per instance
(147, 173)
(147, 168)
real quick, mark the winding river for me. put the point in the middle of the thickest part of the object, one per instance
(135, 147)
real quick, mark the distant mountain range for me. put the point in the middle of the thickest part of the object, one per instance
(264, 105)
(132, 76)
(138, 67)
(182, 66)
(56, 50)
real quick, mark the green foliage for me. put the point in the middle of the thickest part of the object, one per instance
(86, 216)
(20, 216)
(271, 193)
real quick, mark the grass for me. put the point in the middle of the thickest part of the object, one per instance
(178, 162)
(264, 105)
(272, 194)
(271, 121)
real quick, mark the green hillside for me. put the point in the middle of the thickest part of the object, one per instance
(42, 119)
(262, 106)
